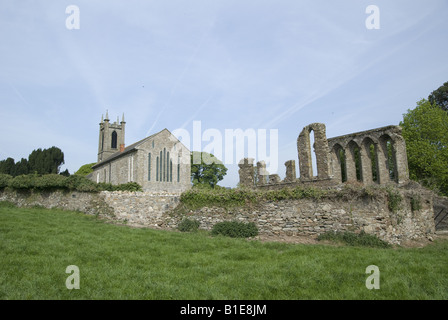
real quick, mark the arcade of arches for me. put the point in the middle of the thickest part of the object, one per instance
(374, 156)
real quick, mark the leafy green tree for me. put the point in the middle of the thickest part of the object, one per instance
(425, 130)
(206, 169)
(85, 169)
(440, 97)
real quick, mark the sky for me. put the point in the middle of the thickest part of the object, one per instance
(226, 65)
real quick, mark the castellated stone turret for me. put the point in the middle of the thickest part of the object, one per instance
(111, 138)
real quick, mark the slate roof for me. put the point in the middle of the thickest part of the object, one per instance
(126, 150)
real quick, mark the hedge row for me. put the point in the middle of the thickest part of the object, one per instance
(58, 182)
(222, 197)
(196, 198)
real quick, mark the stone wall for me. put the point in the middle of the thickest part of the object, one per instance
(144, 208)
(355, 213)
(314, 217)
(376, 156)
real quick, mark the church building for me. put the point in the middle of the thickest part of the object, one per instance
(159, 162)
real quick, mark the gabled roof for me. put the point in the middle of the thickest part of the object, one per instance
(127, 150)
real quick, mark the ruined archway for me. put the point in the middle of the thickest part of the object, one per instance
(321, 151)
(353, 162)
(388, 159)
(369, 161)
(338, 158)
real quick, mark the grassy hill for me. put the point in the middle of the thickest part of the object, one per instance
(119, 262)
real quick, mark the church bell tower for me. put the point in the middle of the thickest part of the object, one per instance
(111, 138)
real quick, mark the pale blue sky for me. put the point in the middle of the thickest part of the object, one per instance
(229, 64)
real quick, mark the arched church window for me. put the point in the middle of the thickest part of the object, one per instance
(114, 140)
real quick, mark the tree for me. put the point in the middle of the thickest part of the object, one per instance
(440, 97)
(22, 167)
(425, 130)
(8, 166)
(45, 161)
(85, 169)
(209, 171)
(65, 173)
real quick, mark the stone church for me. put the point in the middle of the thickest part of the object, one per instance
(159, 162)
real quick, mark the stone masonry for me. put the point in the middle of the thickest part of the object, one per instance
(287, 217)
(375, 156)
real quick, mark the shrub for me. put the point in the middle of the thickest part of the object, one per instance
(74, 181)
(227, 198)
(81, 183)
(5, 180)
(23, 182)
(235, 229)
(50, 182)
(87, 186)
(394, 199)
(188, 225)
(130, 186)
(104, 186)
(416, 204)
(354, 239)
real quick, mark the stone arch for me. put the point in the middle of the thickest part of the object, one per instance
(353, 161)
(338, 160)
(369, 160)
(388, 160)
(401, 159)
(321, 150)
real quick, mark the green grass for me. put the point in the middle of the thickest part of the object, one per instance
(354, 239)
(119, 262)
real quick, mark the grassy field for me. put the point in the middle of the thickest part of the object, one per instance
(119, 262)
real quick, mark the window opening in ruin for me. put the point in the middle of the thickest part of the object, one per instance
(374, 162)
(313, 155)
(357, 158)
(342, 163)
(390, 159)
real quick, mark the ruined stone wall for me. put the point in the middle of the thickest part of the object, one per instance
(381, 151)
(375, 156)
(286, 217)
(320, 148)
(144, 208)
(308, 217)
